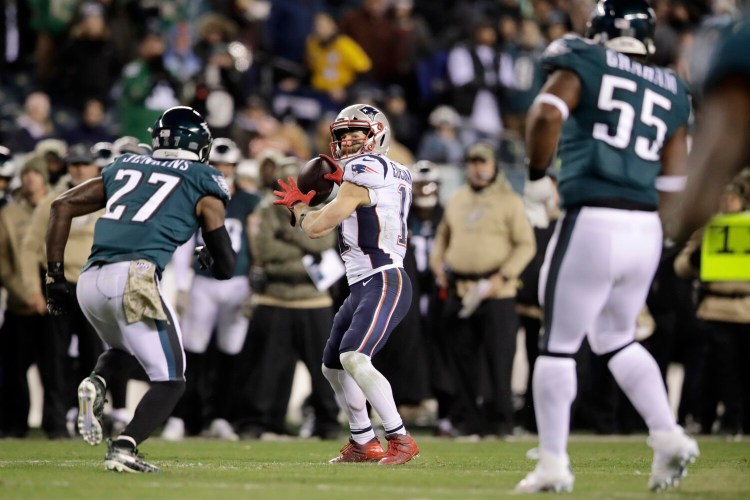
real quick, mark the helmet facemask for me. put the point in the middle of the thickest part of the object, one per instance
(346, 148)
(362, 117)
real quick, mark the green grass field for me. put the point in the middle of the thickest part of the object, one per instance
(604, 467)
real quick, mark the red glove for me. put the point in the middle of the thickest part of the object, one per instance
(291, 195)
(338, 175)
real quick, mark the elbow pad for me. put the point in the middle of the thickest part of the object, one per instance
(220, 247)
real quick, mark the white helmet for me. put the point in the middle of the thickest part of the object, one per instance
(425, 171)
(224, 151)
(7, 165)
(103, 153)
(363, 117)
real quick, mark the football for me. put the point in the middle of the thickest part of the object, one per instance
(311, 179)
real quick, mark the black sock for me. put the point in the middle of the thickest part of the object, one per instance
(157, 404)
(189, 405)
(115, 364)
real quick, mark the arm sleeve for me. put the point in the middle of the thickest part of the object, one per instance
(220, 247)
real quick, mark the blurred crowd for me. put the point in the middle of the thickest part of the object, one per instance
(81, 82)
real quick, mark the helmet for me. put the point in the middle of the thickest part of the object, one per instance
(126, 144)
(444, 114)
(363, 117)
(426, 184)
(626, 26)
(425, 171)
(224, 151)
(181, 132)
(103, 153)
(7, 165)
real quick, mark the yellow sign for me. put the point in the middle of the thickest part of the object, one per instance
(725, 254)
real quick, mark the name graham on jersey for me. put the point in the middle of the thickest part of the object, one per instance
(147, 160)
(656, 76)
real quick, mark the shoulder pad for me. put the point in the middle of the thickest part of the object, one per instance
(570, 52)
(367, 170)
(212, 182)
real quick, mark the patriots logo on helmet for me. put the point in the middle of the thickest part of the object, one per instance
(361, 168)
(369, 111)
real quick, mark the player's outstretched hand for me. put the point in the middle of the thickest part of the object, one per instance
(290, 195)
(337, 175)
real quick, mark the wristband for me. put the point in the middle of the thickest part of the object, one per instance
(302, 218)
(55, 268)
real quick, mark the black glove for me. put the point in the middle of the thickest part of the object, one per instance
(59, 297)
(205, 261)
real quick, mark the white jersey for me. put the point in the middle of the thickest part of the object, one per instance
(373, 238)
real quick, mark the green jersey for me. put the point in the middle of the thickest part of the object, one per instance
(610, 147)
(732, 55)
(151, 207)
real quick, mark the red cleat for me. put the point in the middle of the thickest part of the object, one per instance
(352, 451)
(401, 449)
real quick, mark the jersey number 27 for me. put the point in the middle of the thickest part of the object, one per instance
(167, 182)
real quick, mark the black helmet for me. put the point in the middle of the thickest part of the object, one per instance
(626, 26)
(178, 130)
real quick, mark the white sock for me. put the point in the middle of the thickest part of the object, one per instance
(352, 401)
(638, 375)
(377, 389)
(555, 389)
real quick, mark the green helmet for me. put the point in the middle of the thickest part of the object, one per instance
(181, 132)
(626, 26)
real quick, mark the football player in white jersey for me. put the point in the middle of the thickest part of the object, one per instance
(370, 212)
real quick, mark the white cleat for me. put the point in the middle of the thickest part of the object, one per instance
(552, 474)
(673, 451)
(221, 429)
(125, 460)
(90, 409)
(174, 430)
